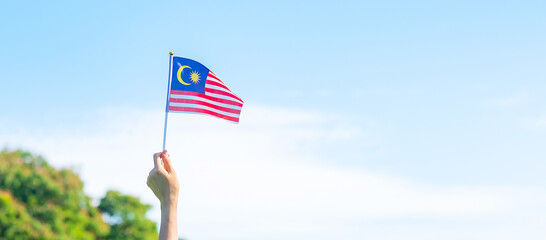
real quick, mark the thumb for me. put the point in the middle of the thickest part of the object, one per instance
(157, 157)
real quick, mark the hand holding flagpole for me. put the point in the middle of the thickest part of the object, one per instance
(198, 91)
(163, 182)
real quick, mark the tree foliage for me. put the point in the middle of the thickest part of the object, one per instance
(128, 217)
(39, 202)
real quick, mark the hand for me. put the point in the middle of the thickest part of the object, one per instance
(164, 183)
(163, 180)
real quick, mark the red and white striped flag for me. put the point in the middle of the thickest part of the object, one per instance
(190, 93)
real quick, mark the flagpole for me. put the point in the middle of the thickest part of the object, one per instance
(168, 96)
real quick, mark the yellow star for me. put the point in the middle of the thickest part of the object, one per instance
(195, 77)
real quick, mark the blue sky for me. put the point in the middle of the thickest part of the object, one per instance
(441, 95)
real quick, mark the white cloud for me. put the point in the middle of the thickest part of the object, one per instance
(261, 179)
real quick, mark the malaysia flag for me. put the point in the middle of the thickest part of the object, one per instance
(195, 89)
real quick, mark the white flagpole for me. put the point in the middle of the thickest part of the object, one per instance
(168, 98)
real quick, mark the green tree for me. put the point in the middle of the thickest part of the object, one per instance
(39, 202)
(128, 217)
(16, 223)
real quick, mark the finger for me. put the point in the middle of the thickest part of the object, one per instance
(151, 173)
(165, 155)
(150, 176)
(167, 161)
(157, 159)
(152, 181)
(151, 184)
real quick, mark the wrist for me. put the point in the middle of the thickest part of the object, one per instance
(169, 203)
(168, 229)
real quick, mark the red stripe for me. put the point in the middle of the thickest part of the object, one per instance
(207, 97)
(228, 94)
(213, 76)
(199, 110)
(217, 84)
(229, 110)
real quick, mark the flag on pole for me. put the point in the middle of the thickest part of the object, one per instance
(195, 89)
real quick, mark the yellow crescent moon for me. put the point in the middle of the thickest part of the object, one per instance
(180, 72)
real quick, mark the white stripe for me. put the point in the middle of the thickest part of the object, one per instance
(204, 107)
(198, 113)
(218, 88)
(223, 97)
(222, 90)
(215, 80)
(177, 96)
(210, 95)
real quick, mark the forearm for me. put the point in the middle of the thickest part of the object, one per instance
(168, 229)
(164, 183)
